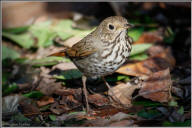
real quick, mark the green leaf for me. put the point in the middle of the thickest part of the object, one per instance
(52, 117)
(5, 76)
(47, 61)
(150, 114)
(9, 53)
(7, 89)
(74, 113)
(20, 118)
(122, 77)
(65, 30)
(173, 103)
(43, 33)
(168, 124)
(147, 103)
(21, 60)
(33, 94)
(135, 33)
(44, 108)
(24, 40)
(139, 48)
(69, 74)
(111, 79)
(16, 30)
(181, 110)
(140, 57)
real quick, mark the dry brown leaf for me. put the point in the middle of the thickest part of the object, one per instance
(158, 61)
(67, 103)
(122, 93)
(28, 108)
(76, 115)
(71, 41)
(48, 86)
(135, 69)
(86, 117)
(157, 87)
(58, 109)
(65, 66)
(98, 100)
(70, 102)
(122, 123)
(149, 37)
(45, 101)
(113, 120)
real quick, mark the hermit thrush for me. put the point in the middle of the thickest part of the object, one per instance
(101, 52)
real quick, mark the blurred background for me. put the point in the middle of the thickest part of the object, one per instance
(175, 15)
(33, 30)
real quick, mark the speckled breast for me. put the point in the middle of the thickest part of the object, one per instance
(105, 61)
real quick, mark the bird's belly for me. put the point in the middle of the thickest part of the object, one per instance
(103, 64)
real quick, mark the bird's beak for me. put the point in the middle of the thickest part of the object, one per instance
(126, 26)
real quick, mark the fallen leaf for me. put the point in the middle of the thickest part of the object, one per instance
(7, 89)
(173, 103)
(159, 61)
(113, 120)
(68, 74)
(71, 41)
(157, 86)
(16, 30)
(164, 53)
(135, 69)
(135, 33)
(52, 117)
(65, 91)
(155, 50)
(147, 103)
(25, 40)
(45, 101)
(47, 61)
(29, 108)
(149, 114)
(149, 37)
(65, 66)
(9, 53)
(48, 86)
(122, 93)
(20, 120)
(123, 123)
(58, 109)
(70, 102)
(139, 48)
(69, 116)
(98, 100)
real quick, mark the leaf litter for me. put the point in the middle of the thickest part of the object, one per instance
(57, 100)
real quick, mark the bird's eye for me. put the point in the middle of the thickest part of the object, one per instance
(111, 27)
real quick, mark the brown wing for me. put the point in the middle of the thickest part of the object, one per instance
(82, 49)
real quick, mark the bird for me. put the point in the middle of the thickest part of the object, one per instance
(102, 51)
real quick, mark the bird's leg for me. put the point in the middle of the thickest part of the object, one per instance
(110, 89)
(106, 83)
(84, 79)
